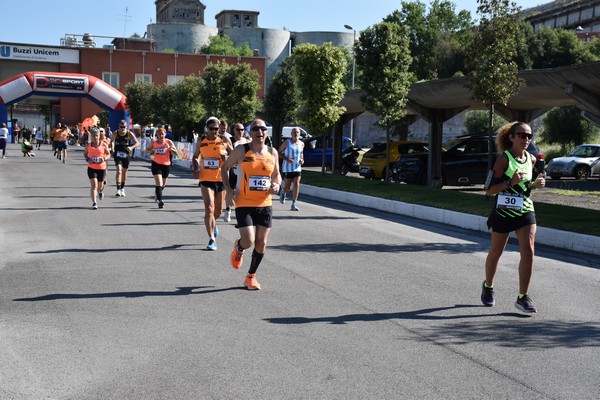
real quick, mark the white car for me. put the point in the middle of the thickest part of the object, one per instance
(583, 163)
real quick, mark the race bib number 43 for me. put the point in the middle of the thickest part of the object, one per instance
(510, 201)
(262, 183)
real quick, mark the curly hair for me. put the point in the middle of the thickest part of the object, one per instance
(502, 135)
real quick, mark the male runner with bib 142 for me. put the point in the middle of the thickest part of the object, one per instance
(258, 179)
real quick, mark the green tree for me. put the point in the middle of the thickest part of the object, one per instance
(383, 54)
(223, 45)
(494, 49)
(139, 95)
(438, 37)
(229, 92)
(318, 74)
(566, 126)
(280, 101)
(182, 106)
(550, 48)
(476, 122)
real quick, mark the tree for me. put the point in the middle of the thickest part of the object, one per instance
(223, 45)
(566, 126)
(476, 122)
(550, 48)
(280, 101)
(318, 74)
(182, 106)
(437, 38)
(494, 49)
(139, 95)
(229, 92)
(382, 53)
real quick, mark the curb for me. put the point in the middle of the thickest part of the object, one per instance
(547, 236)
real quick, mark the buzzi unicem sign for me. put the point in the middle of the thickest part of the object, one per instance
(35, 53)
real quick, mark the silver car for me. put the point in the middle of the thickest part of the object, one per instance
(583, 163)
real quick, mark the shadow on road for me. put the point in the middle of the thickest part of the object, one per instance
(181, 291)
(502, 332)
(343, 247)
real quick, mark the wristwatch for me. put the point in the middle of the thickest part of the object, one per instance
(508, 183)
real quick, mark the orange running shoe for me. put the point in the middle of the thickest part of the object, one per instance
(236, 256)
(251, 283)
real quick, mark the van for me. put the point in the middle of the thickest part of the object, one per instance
(286, 133)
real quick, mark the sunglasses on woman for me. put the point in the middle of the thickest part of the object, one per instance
(524, 135)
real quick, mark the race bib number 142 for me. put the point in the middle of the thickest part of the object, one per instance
(261, 183)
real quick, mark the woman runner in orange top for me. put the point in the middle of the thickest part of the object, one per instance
(258, 179)
(96, 153)
(161, 149)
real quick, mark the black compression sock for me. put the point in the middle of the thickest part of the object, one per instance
(255, 261)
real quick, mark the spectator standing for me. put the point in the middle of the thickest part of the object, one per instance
(39, 137)
(3, 138)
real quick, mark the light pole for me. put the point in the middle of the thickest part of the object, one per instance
(349, 27)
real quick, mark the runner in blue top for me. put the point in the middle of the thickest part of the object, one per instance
(291, 153)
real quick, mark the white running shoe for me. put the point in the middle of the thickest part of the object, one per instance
(227, 216)
(122, 192)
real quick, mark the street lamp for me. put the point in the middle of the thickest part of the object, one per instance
(349, 27)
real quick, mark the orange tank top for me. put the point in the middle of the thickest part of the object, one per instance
(211, 153)
(162, 154)
(96, 156)
(254, 179)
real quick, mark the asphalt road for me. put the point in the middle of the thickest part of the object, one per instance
(125, 303)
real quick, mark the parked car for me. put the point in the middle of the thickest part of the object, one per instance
(313, 149)
(583, 163)
(464, 162)
(373, 164)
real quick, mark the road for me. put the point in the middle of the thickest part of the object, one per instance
(125, 303)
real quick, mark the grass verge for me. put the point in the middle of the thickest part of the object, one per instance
(565, 218)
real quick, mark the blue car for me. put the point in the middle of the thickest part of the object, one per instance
(313, 150)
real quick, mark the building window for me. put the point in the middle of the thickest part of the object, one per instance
(172, 79)
(561, 21)
(573, 17)
(143, 78)
(112, 78)
(586, 14)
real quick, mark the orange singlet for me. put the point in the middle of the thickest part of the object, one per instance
(211, 152)
(96, 156)
(162, 154)
(254, 180)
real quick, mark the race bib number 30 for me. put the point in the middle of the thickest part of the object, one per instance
(510, 201)
(211, 163)
(262, 183)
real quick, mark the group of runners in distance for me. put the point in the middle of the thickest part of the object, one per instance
(233, 170)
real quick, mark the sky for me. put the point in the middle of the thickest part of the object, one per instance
(46, 22)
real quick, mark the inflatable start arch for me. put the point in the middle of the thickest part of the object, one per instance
(63, 84)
